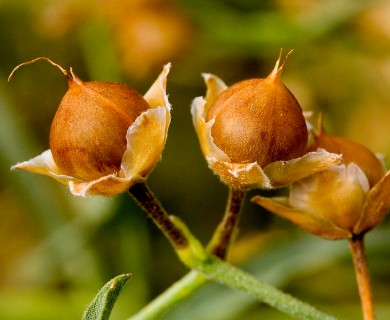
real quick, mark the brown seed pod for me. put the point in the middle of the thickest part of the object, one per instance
(259, 120)
(351, 152)
(88, 132)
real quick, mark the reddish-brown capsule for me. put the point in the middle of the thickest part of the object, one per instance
(343, 201)
(105, 137)
(254, 135)
(88, 132)
(259, 120)
(351, 152)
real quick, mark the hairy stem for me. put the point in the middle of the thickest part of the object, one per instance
(213, 268)
(220, 245)
(236, 278)
(356, 245)
(148, 202)
(176, 293)
(224, 234)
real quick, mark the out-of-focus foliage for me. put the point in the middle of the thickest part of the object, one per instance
(56, 250)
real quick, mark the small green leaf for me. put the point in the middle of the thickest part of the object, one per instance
(101, 306)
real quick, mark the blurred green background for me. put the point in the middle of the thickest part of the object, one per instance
(56, 250)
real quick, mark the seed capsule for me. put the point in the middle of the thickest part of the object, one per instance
(254, 135)
(88, 133)
(344, 201)
(259, 120)
(351, 152)
(105, 137)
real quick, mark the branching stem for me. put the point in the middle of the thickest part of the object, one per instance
(220, 245)
(206, 266)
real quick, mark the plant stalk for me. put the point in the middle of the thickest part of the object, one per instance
(226, 274)
(219, 245)
(226, 231)
(213, 268)
(171, 297)
(149, 203)
(356, 245)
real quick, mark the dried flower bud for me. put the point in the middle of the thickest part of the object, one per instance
(254, 134)
(259, 120)
(104, 136)
(342, 201)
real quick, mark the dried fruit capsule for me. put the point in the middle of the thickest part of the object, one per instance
(105, 137)
(254, 135)
(88, 132)
(259, 120)
(352, 152)
(343, 201)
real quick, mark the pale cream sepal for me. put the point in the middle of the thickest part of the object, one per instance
(376, 207)
(331, 204)
(43, 164)
(308, 221)
(282, 173)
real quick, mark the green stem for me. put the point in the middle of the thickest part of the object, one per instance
(195, 257)
(215, 269)
(219, 245)
(176, 293)
(229, 275)
(356, 245)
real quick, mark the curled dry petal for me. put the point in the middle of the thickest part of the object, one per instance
(141, 155)
(282, 173)
(215, 86)
(240, 175)
(43, 164)
(203, 130)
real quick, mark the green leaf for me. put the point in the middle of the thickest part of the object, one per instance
(101, 306)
